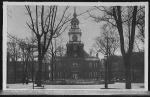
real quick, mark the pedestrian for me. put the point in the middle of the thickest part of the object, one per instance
(36, 79)
(26, 80)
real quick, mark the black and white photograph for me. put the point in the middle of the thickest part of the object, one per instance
(75, 46)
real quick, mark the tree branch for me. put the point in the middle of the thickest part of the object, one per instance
(133, 29)
(29, 12)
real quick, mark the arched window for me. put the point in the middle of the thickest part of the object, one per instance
(90, 64)
(49, 68)
(74, 25)
(95, 74)
(90, 74)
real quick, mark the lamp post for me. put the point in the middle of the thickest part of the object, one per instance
(106, 84)
(106, 65)
(106, 60)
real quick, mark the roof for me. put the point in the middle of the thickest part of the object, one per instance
(75, 20)
(92, 59)
(89, 58)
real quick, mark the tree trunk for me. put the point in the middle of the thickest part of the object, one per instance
(26, 68)
(7, 69)
(45, 72)
(133, 72)
(52, 73)
(127, 71)
(116, 75)
(39, 72)
(143, 72)
(32, 70)
(110, 73)
(14, 71)
(23, 73)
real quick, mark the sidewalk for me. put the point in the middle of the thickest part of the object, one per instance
(101, 86)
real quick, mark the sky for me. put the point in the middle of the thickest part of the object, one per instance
(17, 18)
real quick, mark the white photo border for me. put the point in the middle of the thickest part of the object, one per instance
(5, 4)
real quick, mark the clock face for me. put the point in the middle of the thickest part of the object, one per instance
(74, 38)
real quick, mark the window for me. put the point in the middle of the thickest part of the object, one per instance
(53, 73)
(74, 25)
(74, 48)
(49, 74)
(90, 74)
(49, 68)
(59, 65)
(95, 74)
(95, 64)
(59, 74)
(90, 64)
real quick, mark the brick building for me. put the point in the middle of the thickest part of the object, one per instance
(77, 64)
(116, 68)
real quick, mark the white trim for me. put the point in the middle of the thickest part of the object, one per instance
(79, 3)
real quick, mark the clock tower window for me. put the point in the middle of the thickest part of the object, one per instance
(74, 48)
(74, 25)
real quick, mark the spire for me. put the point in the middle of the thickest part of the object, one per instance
(74, 19)
(75, 15)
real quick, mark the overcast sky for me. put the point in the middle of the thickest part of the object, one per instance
(17, 18)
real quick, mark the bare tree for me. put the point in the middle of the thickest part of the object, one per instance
(141, 23)
(118, 17)
(107, 43)
(13, 54)
(101, 41)
(31, 46)
(46, 25)
(27, 48)
(55, 50)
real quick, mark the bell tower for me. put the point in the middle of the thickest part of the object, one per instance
(74, 46)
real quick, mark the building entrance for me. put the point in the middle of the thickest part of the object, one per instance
(75, 76)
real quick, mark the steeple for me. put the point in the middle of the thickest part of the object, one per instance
(75, 47)
(75, 15)
(74, 19)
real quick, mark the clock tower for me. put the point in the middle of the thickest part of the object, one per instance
(74, 46)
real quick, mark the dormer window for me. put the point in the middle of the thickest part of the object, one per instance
(75, 25)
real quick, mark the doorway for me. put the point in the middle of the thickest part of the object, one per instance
(75, 76)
